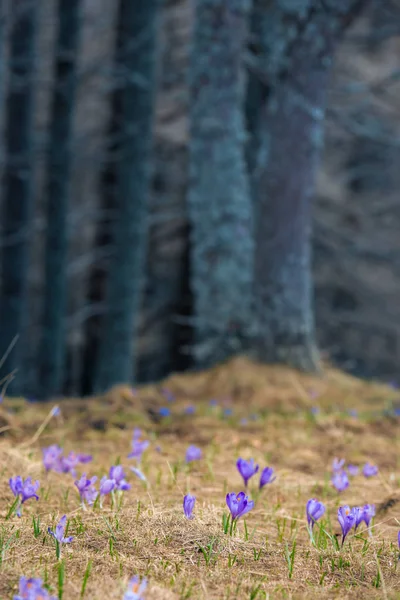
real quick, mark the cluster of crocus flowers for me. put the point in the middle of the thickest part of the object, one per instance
(193, 453)
(353, 517)
(23, 490)
(248, 468)
(32, 589)
(54, 460)
(188, 506)
(136, 589)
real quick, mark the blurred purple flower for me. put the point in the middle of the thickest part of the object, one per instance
(364, 513)
(24, 490)
(190, 410)
(353, 412)
(56, 411)
(164, 412)
(369, 470)
(238, 504)
(314, 511)
(87, 491)
(118, 476)
(138, 446)
(52, 458)
(228, 412)
(106, 486)
(246, 468)
(193, 453)
(70, 462)
(32, 589)
(347, 520)
(315, 410)
(138, 473)
(340, 481)
(244, 421)
(353, 470)
(59, 532)
(136, 589)
(267, 476)
(337, 464)
(213, 402)
(188, 505)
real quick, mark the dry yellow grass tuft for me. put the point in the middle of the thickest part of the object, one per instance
(271, 555)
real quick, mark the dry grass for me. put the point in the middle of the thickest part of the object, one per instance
(149, 534)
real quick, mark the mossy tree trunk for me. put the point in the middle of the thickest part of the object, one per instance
(296, 44)
(52, 348)
(16, 218)
(219, 200)
(135, 65)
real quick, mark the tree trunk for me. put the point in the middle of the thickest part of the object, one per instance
(299, 54)
(17, 193)
(52, 348)
(219, 200)
(136, 59)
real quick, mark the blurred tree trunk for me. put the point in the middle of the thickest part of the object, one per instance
(18, 198)
(135, 64)
(52, 347)
(219, 200)
(295, 52)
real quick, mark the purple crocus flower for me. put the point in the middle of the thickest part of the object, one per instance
(267, 476)
(70, 462)
(24, 490)
(369, 470)
(138, 473)
(188, 505)
(106, 486)
(364, 513)
(353, 470)
(314, 511)
(347, 520)
(52, 458)
(58, 534)
(246, 468)
(193, 453)
(190, 410)
(87, 491)
(340, 481)
(213, 402)
(138, 447)
(32, 589)
(136, 589)
(337, 464)
(164, 411)
(238, 504)
(118, 476)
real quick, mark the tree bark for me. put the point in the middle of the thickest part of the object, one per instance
(135, 61)
(298, 55)
(52, 348)
(219, 201)
(17, 192)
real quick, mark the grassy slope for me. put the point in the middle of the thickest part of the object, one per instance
(149, 533)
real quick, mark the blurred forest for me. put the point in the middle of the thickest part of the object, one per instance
(184, 180)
